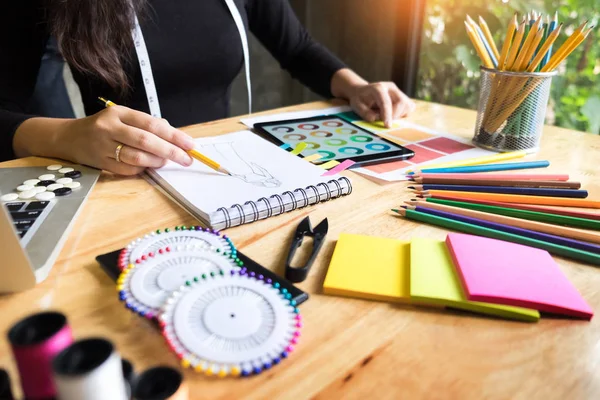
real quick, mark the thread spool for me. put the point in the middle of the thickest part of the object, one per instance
(35, 341)
(89, 369)
(5, 390)
(160, 383)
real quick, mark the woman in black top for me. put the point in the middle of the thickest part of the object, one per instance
(195, 51)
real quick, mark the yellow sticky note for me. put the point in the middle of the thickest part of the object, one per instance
(299, 148)
(313, 157)
(369, 267)
(434, 281)
(329, 164)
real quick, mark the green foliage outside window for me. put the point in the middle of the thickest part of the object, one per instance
(449, 66)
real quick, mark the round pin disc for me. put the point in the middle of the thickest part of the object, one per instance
(160, 240)
(145, 286)
(231, 325)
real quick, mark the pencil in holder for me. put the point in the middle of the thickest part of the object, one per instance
(512, 109)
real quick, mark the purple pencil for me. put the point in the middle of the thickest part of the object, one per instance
(592, 248)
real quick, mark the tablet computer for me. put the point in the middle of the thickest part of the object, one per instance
(334, 139)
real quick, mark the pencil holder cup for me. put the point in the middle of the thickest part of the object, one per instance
(511, 110)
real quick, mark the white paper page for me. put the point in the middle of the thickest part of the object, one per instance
(260, 169)
(249, 122)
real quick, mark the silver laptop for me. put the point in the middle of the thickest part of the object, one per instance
(32, 232)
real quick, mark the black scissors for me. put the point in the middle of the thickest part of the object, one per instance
(298, 274)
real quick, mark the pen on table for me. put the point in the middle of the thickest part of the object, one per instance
(193, 153)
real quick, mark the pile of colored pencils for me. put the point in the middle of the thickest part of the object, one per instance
(527, 48)
(521, 208)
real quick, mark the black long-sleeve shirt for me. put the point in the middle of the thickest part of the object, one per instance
(195, 52)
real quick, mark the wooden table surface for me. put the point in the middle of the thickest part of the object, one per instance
(349, 348)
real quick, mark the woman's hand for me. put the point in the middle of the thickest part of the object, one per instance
(381, 101)
(145, 141)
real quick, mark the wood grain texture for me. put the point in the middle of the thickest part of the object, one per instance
(349, 348)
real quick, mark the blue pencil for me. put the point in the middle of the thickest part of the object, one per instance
(487, 167)
(545, 237)
(552, 26)
(573, 193)
(487, 46)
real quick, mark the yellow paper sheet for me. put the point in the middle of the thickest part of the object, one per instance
(369, 267)
(433, 280)
(329, 164)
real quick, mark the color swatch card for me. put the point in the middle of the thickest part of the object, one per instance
(512, 274)
(430, 147)
(369, 267)
(434, 281)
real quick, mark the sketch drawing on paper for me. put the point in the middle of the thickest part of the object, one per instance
(241, 168)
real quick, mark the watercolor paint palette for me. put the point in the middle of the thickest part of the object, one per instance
(334, 138)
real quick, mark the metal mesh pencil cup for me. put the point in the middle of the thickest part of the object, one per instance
(512, 108)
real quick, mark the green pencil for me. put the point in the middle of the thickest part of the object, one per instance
(523, 214)
(564, 251)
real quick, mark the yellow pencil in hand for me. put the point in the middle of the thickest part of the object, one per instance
(193, 153)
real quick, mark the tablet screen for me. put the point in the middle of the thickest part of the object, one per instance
(333, 138)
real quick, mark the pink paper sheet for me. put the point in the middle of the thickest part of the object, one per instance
(500, 272)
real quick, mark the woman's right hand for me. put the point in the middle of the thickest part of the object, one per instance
(147, 142)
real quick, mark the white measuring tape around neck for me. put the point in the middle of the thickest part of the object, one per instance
(146, 69)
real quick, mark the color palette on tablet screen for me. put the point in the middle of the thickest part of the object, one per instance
(332, 138)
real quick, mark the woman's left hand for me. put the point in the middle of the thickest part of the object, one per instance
(381, 101)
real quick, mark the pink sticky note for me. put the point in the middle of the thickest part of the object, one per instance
(500, 272)
(339, 168)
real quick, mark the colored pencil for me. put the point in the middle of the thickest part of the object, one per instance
(489, 167)
(498, 182)
(479, 47)
(566, 48)
(488, 35)
(551, 28)
(520, 199)
(485, 175)
(536, 62)
(540, 208)
(510, 228)
(550, 192)
(492, 233)
(510, 32)
(514, 50)
(527, 44)
(476, 161)
(483, 40)
(523, 214)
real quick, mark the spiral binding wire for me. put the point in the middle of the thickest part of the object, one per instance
(286, 201)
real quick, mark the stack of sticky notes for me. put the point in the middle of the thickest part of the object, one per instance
(472, 273)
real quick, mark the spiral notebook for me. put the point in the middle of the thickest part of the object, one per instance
(266, 181)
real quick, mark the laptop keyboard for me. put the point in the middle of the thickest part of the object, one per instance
(27, 215)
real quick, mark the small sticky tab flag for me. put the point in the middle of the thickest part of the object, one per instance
(313, 157)
(299, 148)
(339, 168)
(285, 146)
(329, 164)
